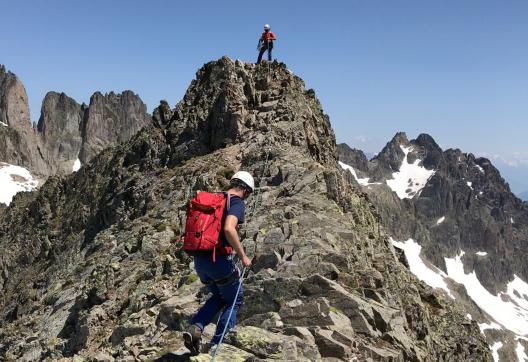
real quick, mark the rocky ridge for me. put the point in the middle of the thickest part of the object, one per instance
(89, 271)
(464, 206)
(469, 192)
(66, 131)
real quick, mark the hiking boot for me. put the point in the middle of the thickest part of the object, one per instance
(208, 348)
(191, 339)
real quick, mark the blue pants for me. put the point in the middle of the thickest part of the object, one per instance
(224, 294)
(268, 47)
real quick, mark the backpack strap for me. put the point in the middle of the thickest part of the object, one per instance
(228, 201)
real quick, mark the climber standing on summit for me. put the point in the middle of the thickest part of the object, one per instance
(266, 43)
(215, 266)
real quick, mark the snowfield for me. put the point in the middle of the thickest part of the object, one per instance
(14, 179)
(433, 277)
(495, 350)
(411, 178)
(361, 181)
(521, 354)
(485, 326)
(509, 309)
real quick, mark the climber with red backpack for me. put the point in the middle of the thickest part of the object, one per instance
(210, 237)
(266, 43)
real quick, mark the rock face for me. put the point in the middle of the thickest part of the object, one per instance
(19, 143)
(66, 131)
(468, 192)
(60, 125)
(89, 270)
(352, 156)
(111, 119)
(465, 206)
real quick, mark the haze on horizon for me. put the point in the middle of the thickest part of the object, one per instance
(455, 70)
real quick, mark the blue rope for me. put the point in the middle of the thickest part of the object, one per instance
(229, 317)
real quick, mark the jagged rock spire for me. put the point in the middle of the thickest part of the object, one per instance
(232, 102)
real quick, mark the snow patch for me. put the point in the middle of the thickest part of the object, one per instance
(76, 165)
(509, 309)
(495, 350)
(441, 220)
(480, 168)
(468, 316)
(432, 277)
(410, 179)
(14, 179)
(481, 253)
(361, 181)
(521, 354)
(511, 220)
(490, 325)
(469, 183)
(4, 124)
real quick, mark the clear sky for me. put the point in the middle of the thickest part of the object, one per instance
(457, 69)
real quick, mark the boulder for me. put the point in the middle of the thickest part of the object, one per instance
(176, 311)
(268, 345)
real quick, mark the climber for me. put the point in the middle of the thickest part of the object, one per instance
(266, 43)
(217, 270)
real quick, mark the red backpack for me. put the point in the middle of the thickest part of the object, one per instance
(204, 223)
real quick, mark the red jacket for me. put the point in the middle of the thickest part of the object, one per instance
(268, 36)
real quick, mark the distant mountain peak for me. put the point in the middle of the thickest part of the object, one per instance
(66, 131)
(464, 223)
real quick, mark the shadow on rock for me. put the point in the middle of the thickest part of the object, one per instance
(174, 357)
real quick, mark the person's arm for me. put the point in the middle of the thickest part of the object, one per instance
(232, 237)
(273, 37)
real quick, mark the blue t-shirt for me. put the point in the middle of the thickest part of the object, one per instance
(235, 207)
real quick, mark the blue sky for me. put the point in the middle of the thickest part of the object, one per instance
(457, 70)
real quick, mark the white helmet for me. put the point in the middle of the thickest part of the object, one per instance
(246, 178)
(267, 27)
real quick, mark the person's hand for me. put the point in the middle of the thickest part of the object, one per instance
(246, 261)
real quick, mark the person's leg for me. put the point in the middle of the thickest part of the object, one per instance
(260, 55)
(232, 300)
(193, 334)
(269, 53)
(225, 277)
(212, 306)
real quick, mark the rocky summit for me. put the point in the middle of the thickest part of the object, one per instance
(19, 143)
(460, 217)
(68, 134)
(90, 271)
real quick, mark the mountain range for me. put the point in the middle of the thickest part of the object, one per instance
(455, 216)
(68, 133)
(354, 259)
